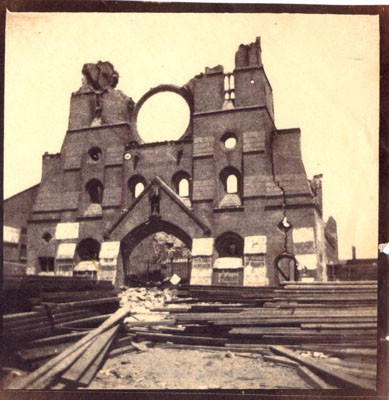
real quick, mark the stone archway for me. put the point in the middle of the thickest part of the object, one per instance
(133, 238)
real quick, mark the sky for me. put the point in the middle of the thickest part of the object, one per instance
(324, 71)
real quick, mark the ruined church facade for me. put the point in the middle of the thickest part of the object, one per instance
(233, 188)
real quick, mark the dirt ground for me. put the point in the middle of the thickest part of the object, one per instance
(162, 368)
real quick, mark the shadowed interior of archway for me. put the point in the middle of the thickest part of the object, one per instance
(142, 233)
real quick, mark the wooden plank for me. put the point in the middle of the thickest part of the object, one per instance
(347, 352)
(352, 364)
(312, 379)
(280, 360)
(122, 350)
(162, 322)
(330, 283)
(35, 321)
(90, 373)
(236, 348)
(124, 341)
(29, 334)
(26, 330)
(84, 322)
(280, 331)
(162, 337)
(337, 325)
(334, 346)
(77, 294)
(277, 321)
(19, 316)
(74, 373)
(332, 306)
(86, 303)
(344, 298)
(56, 339)
(361, 371)
(337, 378)
(64, 359)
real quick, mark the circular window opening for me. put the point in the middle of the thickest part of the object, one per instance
(164, 116)
(229, 142)
(94, 154)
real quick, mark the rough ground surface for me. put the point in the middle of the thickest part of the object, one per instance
(161, 368)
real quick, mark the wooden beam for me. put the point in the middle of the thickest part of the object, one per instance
(74, 373)
(337, 378)
(64, 359)
(312, 379)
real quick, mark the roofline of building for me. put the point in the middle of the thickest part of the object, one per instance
(25, 190)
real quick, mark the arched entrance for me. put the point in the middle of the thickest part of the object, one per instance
(156, 250)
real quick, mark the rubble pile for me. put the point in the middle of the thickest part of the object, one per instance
(144, 301)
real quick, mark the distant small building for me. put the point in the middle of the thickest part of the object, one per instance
(364, 269)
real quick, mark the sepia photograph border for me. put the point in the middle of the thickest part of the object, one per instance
(104, 6)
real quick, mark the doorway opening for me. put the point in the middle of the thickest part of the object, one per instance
(154, 252)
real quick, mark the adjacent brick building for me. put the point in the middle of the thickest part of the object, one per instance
(233, 188)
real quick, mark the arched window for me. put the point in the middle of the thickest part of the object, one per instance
(139, 188)
(183, 187)
(136, 185)
(230, 180)
(230, 188)
(88, 249)
(229, 244)
(181, 183)
(232, 184)
(95, 188)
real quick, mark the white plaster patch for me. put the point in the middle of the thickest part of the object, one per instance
(255, 276)
(306, 260)
(67, 230)
(228, 263)
(202, 247)
(66, 251)
(307, 279)
(109, 250)
(90, 266)
(201, 276)
(301, 235)
(108, 275)
(10, 234)
(255, 244)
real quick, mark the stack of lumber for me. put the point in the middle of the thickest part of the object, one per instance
(297, 314)
(336, 319)
(27, 290)
(58, 312)
(225, 294)
(77, 364)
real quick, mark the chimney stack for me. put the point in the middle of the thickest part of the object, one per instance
(354, 252)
